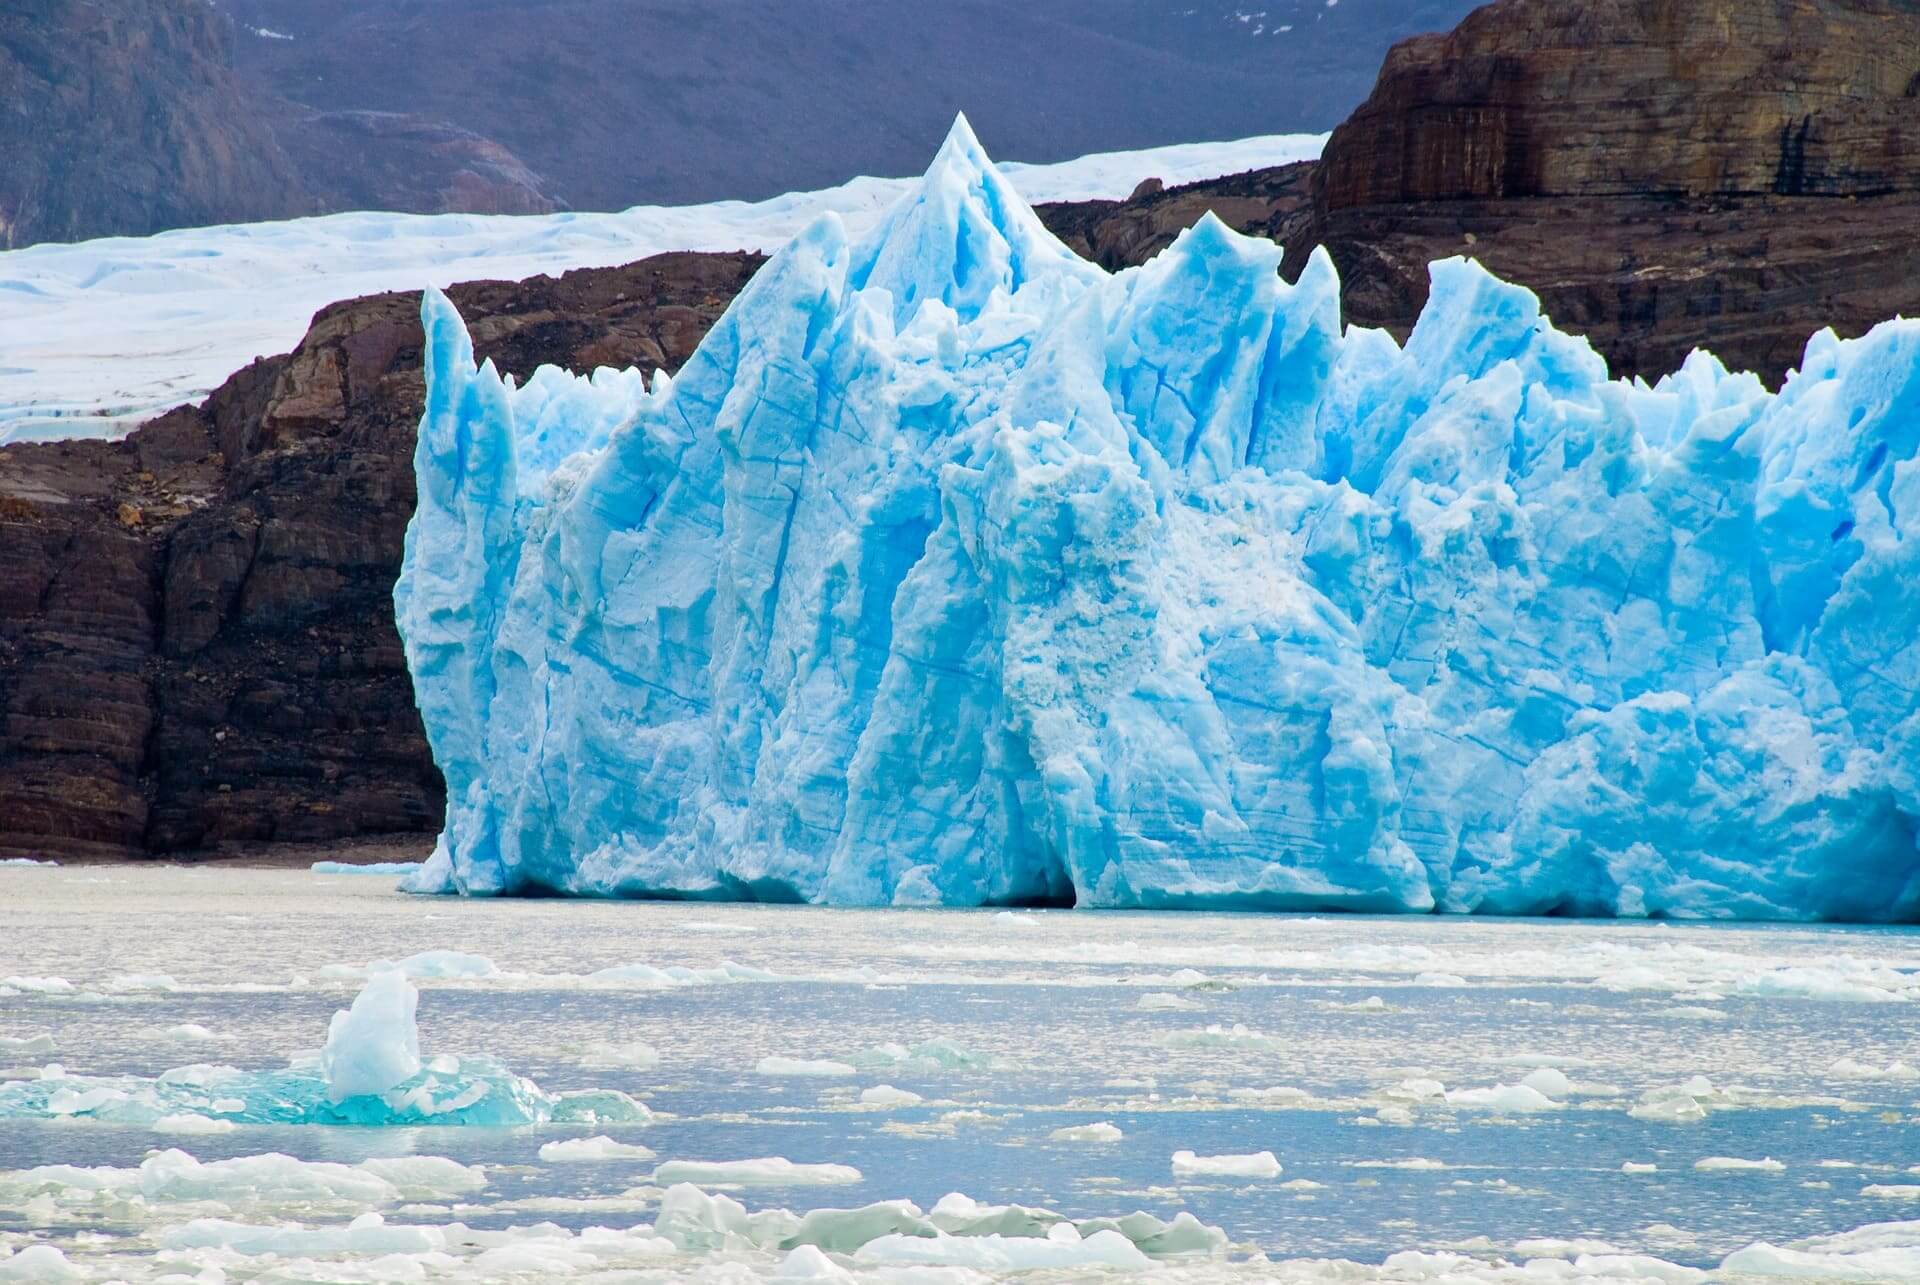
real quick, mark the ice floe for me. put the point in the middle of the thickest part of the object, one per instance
(1260, 1164)
(391, 869)
(885, 1095)
(1735, 1164)
(1098, 1131)
(592, 1151)
(804, 1067)
(271, 1179)
(765, 1171)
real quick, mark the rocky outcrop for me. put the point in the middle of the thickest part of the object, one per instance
(196, 629)
(1641, 98)
(1124, 234)
(1724, 173)
(125, 117)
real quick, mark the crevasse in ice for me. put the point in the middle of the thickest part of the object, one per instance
(955, 570)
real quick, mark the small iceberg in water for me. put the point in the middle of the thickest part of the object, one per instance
(369, 1072)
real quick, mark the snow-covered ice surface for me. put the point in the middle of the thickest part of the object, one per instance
(954, 570)
(1006, 1033)
(98, 336)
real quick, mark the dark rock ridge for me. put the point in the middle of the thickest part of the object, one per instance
(1123, 234)
(196, 629)
(126, 117)
(1665, 174)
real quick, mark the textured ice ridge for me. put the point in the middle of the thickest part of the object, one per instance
(954, 570)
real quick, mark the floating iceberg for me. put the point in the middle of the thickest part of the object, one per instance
(375, 1045)
(768, 1171)
(369, 1072)
(953, 570)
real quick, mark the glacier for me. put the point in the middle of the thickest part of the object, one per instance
(953, 570)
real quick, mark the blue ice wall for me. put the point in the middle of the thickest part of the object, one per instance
(954, 570)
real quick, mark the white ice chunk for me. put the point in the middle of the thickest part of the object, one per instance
(1003, 1254)
(803, 1067)
(188, 1123)
(592, 1150)
(1507, 1099)
(885, 1095)
(768, 1171)
(375, 1045)
(194, 1033)
(1099, 1131)
(1260, 1164)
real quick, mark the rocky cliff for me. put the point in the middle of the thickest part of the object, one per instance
(196, 628)
(1728, 173)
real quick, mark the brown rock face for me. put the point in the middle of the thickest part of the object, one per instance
(196, 629)
(1682, 98)
(1665, 174)
(358, 160)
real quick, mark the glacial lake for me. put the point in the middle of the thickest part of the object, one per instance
(1445, 1099)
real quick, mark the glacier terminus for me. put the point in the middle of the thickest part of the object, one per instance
(955, 570)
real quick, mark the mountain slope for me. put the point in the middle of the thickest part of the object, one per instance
(124, 117)
(625, 101)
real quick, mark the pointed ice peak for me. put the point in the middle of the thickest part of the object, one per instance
(960, 235)
(962, 143)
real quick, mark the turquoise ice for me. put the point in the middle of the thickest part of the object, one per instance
(955, 570)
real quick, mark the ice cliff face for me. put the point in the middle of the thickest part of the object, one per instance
(954, 570)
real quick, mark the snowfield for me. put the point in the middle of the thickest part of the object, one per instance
(97, 337)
